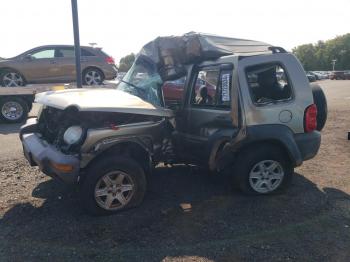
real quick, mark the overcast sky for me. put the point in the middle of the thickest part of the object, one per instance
(122, 27)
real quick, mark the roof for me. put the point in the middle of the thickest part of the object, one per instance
(171, 53)
(234, 45)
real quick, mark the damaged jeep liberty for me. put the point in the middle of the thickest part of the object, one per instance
(239, 107)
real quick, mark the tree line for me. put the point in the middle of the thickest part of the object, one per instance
(319, 56)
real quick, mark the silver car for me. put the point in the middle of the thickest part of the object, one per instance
(251, 124)
(54, 64)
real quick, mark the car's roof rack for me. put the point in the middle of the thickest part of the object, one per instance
(277, 49)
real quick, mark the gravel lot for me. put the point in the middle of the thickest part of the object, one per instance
(40, 218)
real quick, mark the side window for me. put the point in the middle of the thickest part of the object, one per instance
(46, 53)
(173, 91)
(213, 88)
(65, 52)
(204, 92)
(85, 52)
(268, 84)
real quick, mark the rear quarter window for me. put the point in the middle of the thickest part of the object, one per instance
(269, 84)
(85, 52)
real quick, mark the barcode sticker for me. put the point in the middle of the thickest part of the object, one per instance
(225, 87)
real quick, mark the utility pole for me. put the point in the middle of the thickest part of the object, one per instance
(333, 63)
(76, 43)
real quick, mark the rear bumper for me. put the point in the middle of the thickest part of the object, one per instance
(308, 144)
(47, 157)
(110, 72)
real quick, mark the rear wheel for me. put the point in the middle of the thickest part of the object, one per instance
(11, 79)
(13, 110)
(93, 76)
(113, 184)
(263, 170)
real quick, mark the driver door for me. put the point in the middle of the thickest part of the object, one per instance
(41, 66)
(206, 115)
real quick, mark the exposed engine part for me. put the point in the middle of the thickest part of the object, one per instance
(54, 122)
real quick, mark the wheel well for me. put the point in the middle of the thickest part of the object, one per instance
(271, 142)
(93, 67)
(229, 158)
(128, 149)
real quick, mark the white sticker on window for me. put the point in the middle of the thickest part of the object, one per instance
(225, 87)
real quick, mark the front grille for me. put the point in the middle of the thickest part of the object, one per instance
(49, 124)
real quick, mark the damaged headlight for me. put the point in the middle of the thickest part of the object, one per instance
(73, 135)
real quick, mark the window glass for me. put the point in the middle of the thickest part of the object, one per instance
(204, 93)
(47, 53)
(144, 81)
(65, 52)
(173, 91)
(268, 83)
(86, 53)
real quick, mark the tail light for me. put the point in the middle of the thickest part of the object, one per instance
(110, 60)
(310, 119)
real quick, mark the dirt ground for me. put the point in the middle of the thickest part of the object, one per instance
(41, 219)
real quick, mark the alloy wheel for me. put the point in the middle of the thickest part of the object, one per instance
(266, 176)
(12, 79)
(114, 190)
(93, 78)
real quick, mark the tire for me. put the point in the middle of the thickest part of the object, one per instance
(246, 170)
(94, 183)
(93, 76)
(11, 78)
(321, 104)
(13, 110)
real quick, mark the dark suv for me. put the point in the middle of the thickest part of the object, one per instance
(56, 63)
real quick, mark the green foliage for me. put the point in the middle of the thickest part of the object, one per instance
(126, 62)
(319, 56)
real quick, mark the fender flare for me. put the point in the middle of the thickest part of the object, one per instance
(259, 135)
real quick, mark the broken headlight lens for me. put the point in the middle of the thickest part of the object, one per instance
(73, 135)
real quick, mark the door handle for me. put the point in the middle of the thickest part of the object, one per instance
(53, 62)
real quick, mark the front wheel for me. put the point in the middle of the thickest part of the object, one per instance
(263, 170)
(113, 184)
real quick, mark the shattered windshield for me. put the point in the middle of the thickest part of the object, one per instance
(143, 80)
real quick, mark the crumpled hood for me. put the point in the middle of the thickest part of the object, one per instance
(100, 99)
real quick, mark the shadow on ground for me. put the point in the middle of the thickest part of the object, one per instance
(6, 129)
(223, 225)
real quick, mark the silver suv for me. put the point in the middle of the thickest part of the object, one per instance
(56, 63)
(253, 116)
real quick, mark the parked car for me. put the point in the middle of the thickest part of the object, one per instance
(255, 128)
(339, 75)
(56, 63)
(311, 77)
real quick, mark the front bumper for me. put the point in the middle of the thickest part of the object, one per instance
(49, 159)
